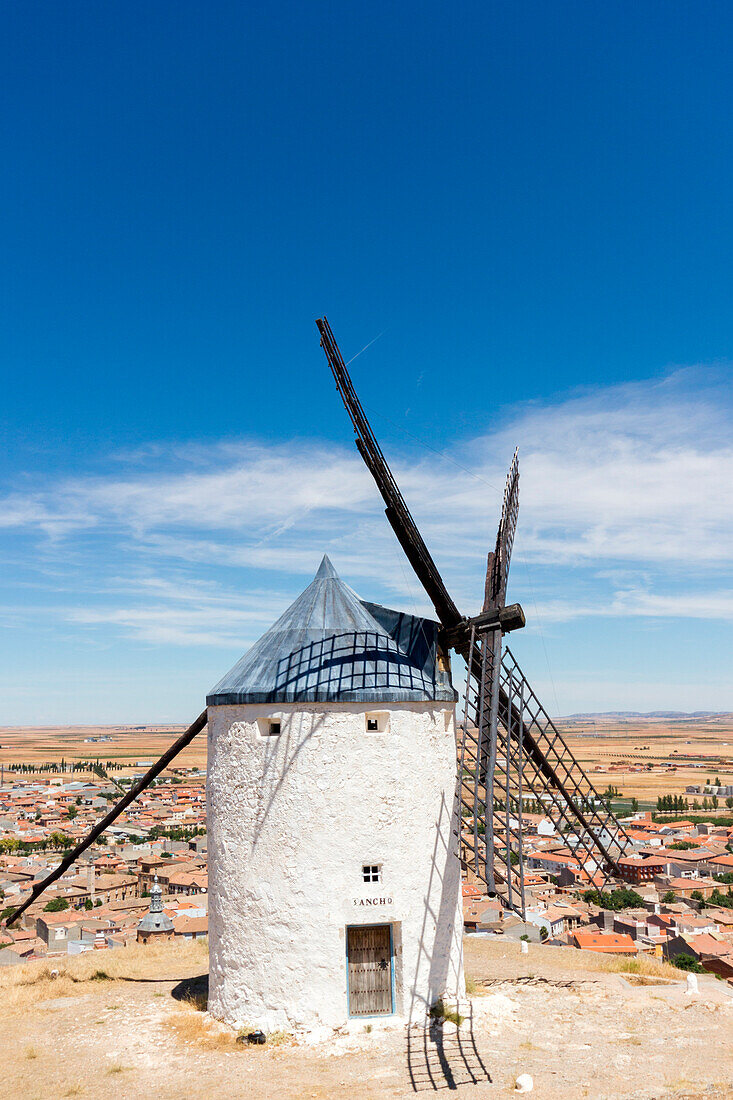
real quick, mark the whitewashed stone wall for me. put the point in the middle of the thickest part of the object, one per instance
(291, 821)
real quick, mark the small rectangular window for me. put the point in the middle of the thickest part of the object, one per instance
(371, 872)
(377, 722)
(269, 727)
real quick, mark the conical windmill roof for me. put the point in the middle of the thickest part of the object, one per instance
(330, 645)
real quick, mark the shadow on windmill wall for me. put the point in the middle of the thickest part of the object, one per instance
(438, 950)
(280, 759)
(436, 1059)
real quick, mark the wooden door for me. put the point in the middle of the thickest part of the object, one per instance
(370, 970)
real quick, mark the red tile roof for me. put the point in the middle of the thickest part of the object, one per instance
(615, 943)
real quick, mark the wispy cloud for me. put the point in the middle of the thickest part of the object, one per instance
(629, 487)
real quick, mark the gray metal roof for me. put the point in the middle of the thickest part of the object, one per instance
(331, 646)
(155, 920)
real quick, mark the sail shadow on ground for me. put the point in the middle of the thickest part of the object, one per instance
(438, 1058)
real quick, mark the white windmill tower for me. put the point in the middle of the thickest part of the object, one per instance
(333, 862)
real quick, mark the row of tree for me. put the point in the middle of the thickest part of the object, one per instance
(65, 766)
(672, 803)
(675, 803)
(176, 833)
(10, 845)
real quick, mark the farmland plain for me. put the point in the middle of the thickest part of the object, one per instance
(643, 757)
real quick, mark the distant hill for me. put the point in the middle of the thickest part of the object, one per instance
(678, 714)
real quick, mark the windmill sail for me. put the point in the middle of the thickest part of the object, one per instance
(490, 788)
(497, 571)
(510, 749)
(397, 511)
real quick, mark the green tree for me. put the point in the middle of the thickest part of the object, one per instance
(543, 933)
(724, 901)
(668, 897)
(88, 904)
(635, 805)
(620, 898)
(60, 840)
(56, 905)
(687, 962)
(72, 812)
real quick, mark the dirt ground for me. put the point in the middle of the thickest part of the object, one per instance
(579, 1027)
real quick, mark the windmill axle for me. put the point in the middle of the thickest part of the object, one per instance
(504, 619)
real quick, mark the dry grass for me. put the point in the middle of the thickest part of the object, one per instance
(644, 966)
(197, 1001)
(195, 1028)
(446, 1013)
(27, 984)
(282, 1038)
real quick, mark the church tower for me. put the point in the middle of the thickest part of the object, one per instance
(332, 822)
(155, 925)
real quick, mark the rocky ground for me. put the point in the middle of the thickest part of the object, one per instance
(577, 1027)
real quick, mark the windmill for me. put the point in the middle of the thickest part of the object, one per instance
(510, 749)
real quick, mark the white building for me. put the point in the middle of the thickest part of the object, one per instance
(333, 870)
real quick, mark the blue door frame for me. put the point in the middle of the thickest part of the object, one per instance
(375, 1015)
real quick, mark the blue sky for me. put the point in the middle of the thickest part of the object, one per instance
(529, 206)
